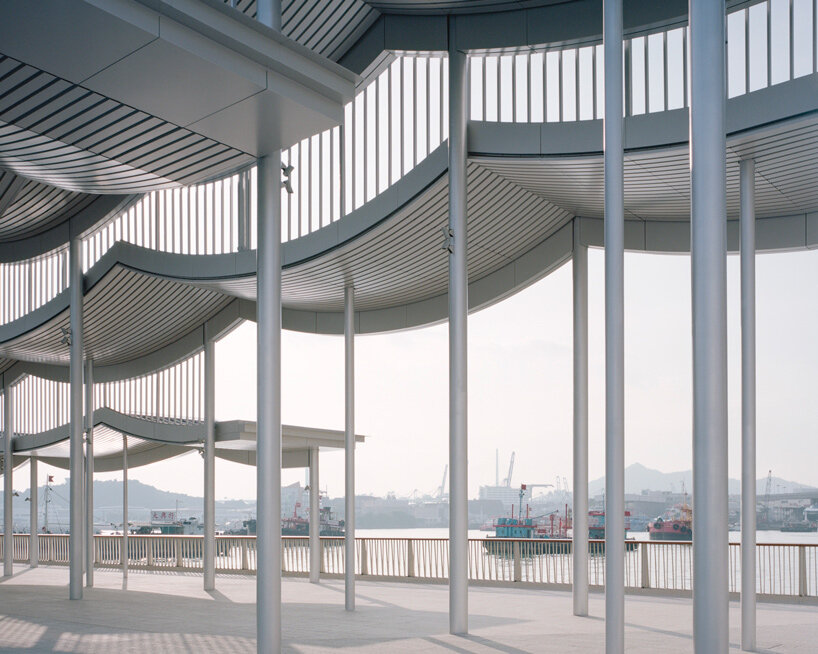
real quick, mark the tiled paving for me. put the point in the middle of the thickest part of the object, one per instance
(162, 613)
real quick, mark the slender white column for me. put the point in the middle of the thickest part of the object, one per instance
(33, 528)
(89, 473)
(209, 463)
(748, 406)
(125, 525)
(268, 525)
(709, 285)
(580, 513)
(614, 334)
(76, 501)
(315, 519)
(349, 448)
(8, 488)
(458, 342)
(268, 452)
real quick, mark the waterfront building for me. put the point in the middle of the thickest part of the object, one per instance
(170, 168)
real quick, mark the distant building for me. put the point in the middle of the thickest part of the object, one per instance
(508, 495)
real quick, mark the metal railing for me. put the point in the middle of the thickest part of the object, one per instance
(786, 570)
(767, 43)
(173, 394)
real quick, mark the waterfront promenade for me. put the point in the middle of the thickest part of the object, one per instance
(169, 612)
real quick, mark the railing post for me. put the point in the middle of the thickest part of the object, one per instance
(643, 556)
(244, 555)
(802, 571)
(149, 558)
(410, 558)
(97, 555)
(518, 564)
(364, 559)
(178, 545)
(323, 543)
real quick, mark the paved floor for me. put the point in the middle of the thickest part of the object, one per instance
(170, 612)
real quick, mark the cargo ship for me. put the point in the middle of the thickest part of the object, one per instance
(675, 526)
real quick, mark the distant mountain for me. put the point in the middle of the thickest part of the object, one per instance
(142, 499)
(639, 478)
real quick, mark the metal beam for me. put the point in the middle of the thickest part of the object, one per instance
(209, 563)
(349, 448)
(268, 455)
(315, 519)
(457, 242)
(89, 473)
(77, 528)
(614, 332)
(748, 406)
(580, 535)
(709, 285)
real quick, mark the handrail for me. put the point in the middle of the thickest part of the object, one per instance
(784, 570)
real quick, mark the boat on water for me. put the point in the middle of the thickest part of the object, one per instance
(676, 525)
(549, 534)
(296, 525)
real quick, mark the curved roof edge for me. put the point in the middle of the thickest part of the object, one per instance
(84, 221)
(555, 24)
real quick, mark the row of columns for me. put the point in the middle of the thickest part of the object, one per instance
(708, 260)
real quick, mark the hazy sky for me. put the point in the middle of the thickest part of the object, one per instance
(520, 385)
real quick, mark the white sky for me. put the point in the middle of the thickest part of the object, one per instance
(520, 385)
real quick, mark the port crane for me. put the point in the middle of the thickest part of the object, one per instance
(530, 487)
(507, 480)
(442, 488)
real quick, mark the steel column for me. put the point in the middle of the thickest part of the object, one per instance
(33, 528)
(315, 519)
(8, 488)
(268, 525)
(457, 238)
(268, 12)
(268, 439)
(209, 553)
(614, 333)
(349, 448)
(125, 525)
(748, 406)
(77, 529)
(89, 473)
(580, 517)
(709, 286)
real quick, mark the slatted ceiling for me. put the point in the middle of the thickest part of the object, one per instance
(5, 364)
(324, 26)
(107, 442)
(657, 183)
(66, 166)
(454, 6)
(37, 207)
(402, 260)
(127, 315)
(58, 132)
